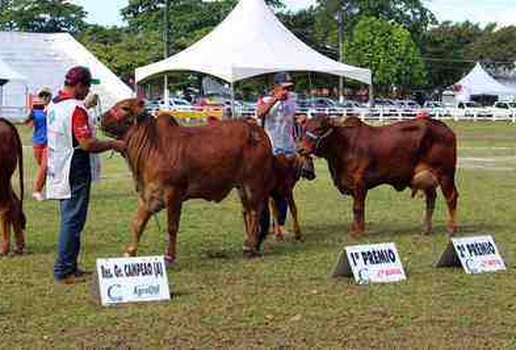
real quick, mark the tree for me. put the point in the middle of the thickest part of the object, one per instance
(445, 49)
(495, 46)
(411, 14)
(43, 16)
(389, 51)
(121, 50)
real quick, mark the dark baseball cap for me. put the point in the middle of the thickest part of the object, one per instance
(78, 74)
(283, 79)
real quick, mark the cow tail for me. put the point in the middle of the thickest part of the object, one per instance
(20, 168)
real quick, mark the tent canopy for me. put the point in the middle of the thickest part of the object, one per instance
(8, 73)
(479, 82)
(250, 41)
(44, 59)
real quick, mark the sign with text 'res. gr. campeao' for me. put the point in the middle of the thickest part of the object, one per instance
(476, 255)
(124, 280)
(371, 263)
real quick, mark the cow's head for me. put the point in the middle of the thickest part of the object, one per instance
(117, 121)
(306, 166)
(315, 132)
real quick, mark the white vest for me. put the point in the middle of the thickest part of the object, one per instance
(61, 150)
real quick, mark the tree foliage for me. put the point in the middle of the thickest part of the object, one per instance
(389, 51)
(446, 51)
(121, 50)
(42, 16)
(411, 14)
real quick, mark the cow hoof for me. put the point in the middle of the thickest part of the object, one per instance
(299, 238)
(352, 235)
(426, 231)
(170, 261)
(280, 237)
(20, 251)
(452, 230)
(250, 254)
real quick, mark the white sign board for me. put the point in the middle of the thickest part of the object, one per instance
(371, 263)
(124, 280)
(476, 255)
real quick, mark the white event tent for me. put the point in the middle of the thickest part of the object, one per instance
(250, 41)
(479, 82)
(8, 74)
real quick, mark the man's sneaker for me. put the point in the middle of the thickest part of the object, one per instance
(38, 196)
(81, 273)
(68, 280)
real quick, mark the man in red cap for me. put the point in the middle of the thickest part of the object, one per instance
(69, 174)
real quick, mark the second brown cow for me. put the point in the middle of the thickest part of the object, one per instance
(418, 154)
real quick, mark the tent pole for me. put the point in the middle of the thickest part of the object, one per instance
(233, 100)
(371, 100)
(165, 91)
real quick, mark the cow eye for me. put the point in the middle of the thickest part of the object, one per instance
(126, 109)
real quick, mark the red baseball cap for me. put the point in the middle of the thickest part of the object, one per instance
(78, 74)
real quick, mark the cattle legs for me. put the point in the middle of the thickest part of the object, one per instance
(451, 194)
(293, 211)
(430, 196)
(173, 215)
(141, 217)
(12, 217)
(358, 225)
(6, 234)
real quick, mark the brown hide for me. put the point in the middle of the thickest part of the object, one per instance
(420, 154)
(11, 207)
(171, 164)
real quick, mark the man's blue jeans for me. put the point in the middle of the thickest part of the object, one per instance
(73, 217)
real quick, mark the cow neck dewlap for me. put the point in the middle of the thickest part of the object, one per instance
(141, 141)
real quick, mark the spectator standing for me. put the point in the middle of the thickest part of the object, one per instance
(277, 112)
(38, 121)
(69, 174)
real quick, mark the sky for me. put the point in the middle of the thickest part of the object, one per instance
(107, 12)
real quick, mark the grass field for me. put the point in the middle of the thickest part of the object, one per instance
(285, 299)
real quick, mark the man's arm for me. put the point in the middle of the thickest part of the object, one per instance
(93, 145)
(264, 107)
(277, 94)
(83, 135)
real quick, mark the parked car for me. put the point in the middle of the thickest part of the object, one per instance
(435, 108)
(354, 107)
(210, 106)
(152, 106)
(386, 105)
(176, 105)
(470, 109)
(502, 110)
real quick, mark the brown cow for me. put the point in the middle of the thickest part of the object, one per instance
(11, 207)
(171, 164)
(419, 154)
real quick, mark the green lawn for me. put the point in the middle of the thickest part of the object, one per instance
(285, 299)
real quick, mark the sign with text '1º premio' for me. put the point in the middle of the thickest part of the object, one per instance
(371, 263)
(124, 280)
(476, 255)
